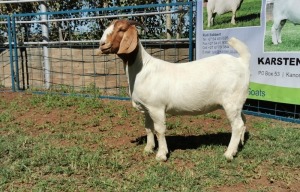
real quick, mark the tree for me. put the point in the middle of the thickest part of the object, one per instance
(93, 28)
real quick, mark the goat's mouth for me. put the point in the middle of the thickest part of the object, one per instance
(105, 49)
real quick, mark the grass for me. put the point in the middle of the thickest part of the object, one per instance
(289, 35)
(55, 143)
(247, 15)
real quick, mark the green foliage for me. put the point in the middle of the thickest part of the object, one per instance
(88, 29)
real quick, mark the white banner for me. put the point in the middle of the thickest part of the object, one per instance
(275, 69)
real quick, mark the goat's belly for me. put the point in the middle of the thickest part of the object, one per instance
(192, 110)
(222, 10)
(295, 20)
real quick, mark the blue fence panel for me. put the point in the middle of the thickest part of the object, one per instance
(73, 40)
(6, 60)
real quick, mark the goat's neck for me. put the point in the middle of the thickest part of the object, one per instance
(134, 62)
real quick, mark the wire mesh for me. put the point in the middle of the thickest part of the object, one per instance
(74, 39)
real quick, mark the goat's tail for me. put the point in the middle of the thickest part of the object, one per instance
(241, 48)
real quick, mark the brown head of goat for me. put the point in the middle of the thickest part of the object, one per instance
(119, 38)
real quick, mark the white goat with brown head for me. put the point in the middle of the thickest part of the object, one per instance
(219, 7)
(158, 87)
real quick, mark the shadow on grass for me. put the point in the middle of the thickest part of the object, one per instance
(249, 17)
(194, 142)
(241, 21)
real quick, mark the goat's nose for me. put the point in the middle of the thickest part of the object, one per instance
(102, 42)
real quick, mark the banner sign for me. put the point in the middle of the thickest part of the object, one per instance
(275, 66)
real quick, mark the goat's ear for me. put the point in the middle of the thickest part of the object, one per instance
(129, 41)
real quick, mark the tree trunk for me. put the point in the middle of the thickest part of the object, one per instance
(168, 21)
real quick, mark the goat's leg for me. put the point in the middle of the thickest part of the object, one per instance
(243, 134)
(160, 129)
(233, 17)
(158, 116)
(274, 34)
(238, 131)
(276, 31)
(282, 23)
(149, 126)
(210, 18)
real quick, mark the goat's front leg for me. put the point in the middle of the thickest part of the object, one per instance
(149, 126)
(276, 31)
(210, 19)
(158, 116)
(233, 17)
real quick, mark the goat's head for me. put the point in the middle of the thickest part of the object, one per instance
(120, 37)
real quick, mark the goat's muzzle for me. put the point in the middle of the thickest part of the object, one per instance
(98, 52)
(105, 49)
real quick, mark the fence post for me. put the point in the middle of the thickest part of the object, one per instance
(11, 55)
(191, 56)
(45, 36)
(15, 52)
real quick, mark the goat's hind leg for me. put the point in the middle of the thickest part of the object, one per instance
(282, 23)
(244, 130)
(238, 127)
(149, 126)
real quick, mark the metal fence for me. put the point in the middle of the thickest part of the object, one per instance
(71, 65)
(65, 59)
(6, 56)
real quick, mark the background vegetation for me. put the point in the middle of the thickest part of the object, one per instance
(91, 28)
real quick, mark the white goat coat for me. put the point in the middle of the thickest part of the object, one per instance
(188, 88)
(284, 10)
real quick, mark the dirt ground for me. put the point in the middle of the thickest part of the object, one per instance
(130, 135)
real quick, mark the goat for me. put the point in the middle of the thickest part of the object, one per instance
(158, 87)
(284, 10)
(220, 7)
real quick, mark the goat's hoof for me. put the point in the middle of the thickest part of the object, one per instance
(229, 155)
(161, 158)
(148, 150)
(242, 141)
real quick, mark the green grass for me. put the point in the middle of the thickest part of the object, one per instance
(247, 15)
(54, 143)
(289, 36)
